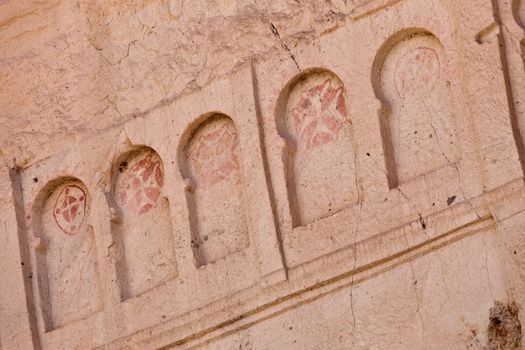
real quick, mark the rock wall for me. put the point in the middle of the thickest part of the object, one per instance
(262, 174)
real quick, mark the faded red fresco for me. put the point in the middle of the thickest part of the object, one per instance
(319, 115)
(214, 154)
(139, 189)
(70, 209)
(417, 72)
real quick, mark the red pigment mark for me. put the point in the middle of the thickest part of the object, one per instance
(70, 209)
(319, 115)
(140, 186)
(214, 156)
(417, 72)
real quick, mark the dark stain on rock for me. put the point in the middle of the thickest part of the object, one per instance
(422, 222)
(504, 330)
(123, 166)
(451, 200)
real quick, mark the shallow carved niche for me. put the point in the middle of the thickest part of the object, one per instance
(418, 127)
(66, 255)
(216, 199)
(320, 160)
(143, 233)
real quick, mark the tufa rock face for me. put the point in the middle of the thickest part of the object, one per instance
(90, 65)
(343, 174)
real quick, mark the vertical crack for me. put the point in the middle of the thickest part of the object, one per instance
(418, 302)
(275, 32)
(283, 44)
(420, 217)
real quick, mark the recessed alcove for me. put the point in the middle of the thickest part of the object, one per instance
(143, 230)
(67, 268)
(215, 197)
(417, 119)
(312, 117)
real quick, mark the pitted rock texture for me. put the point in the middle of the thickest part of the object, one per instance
(70, 67)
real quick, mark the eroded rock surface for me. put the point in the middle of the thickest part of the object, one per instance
(260, 174)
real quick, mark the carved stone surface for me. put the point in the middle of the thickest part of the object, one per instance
(320, 156)
(138, 188)
(70, 209)
(66, 262)
(216, 202)
(144, 232)
(262, 175)
(420, 114)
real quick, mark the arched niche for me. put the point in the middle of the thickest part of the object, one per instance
(417, 119)
(210, 161)
(66, 258)
(143, 232)
(312, 117)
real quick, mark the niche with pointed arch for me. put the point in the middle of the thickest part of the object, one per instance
(143, 233)
(66, 258)
(320, 164)
(417, 121)
(216, 199)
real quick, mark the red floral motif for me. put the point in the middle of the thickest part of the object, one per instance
(70, 209)
(319, 115)
(141, 185)
(214, 155)
(417, 72)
